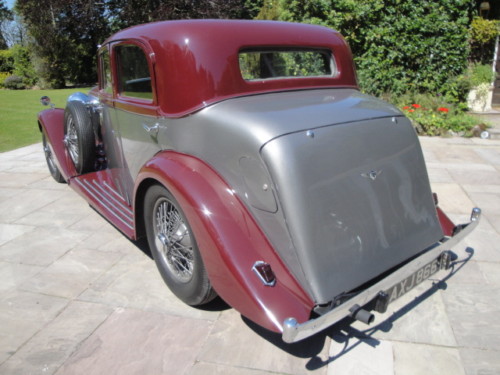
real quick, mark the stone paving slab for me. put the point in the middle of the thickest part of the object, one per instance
(416, 359)
(138, 342)
(51, 347)
(345, 360)
(77, 297)
(23, 314)
(236, 342)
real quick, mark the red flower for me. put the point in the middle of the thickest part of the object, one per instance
(443, 109)
(416, 105)
(406, 107)
(411, 110)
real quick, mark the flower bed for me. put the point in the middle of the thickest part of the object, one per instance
(441, 120)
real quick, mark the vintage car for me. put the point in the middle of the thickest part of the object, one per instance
(246, 154)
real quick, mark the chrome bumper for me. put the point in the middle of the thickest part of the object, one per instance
(294, 331)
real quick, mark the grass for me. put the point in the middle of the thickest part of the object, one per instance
(18, 115)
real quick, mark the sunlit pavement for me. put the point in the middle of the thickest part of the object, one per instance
(76, 297)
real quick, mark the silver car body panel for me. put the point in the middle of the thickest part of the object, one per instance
(355, 196)
(335, 178)
(309, 155)
(294, 331)
(137, 144)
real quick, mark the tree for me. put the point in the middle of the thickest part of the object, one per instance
(64, 34)
(125, 13)
(64, 37)
(15, 32)
(5, 17)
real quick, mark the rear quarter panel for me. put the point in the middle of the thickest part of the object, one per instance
(229, 240)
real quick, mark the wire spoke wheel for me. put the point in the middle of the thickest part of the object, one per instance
(72, 141)
(79, 137)
(174, 240)
(50, 159)
(174, 248)
(48, 154)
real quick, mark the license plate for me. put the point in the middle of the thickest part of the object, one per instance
(414, 279)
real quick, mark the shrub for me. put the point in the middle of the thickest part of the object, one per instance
(398, 45)
(14, 82)
(23, 66)
(483, 31)
(3, 75)
(6, 61)
(479, 74)
(17, 61)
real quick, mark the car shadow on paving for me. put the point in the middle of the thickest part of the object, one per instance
(350, 337)
(77, 297)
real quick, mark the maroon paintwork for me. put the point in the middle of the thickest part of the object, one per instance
(221, 223)
(446, 224)
(189, 74)
(53, 128)
(51, 123)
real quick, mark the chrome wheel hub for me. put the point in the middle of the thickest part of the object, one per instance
(48, 154)
(71, 141)
(173, 240)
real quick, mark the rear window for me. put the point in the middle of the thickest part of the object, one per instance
(286, 63)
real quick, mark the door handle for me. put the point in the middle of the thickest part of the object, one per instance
(151, 129)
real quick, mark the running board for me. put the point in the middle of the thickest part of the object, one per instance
(99, 190)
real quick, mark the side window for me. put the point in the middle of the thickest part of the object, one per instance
(106, 81)
(134, 79)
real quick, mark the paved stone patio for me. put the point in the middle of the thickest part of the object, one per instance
(76, 297)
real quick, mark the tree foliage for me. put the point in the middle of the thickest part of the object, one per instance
(23, 66)
(64, 37)
(6, 61)
(483, 36)
(126, 13)
(5, 16)
(398, 45)
(64, 34)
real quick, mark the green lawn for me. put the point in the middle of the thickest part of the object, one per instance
(18, 111)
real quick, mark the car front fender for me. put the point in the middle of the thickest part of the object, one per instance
(229, 239)
(51, 123)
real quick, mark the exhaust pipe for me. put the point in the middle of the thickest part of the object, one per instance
(358, 313)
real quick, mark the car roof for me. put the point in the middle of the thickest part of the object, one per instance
(196, 61)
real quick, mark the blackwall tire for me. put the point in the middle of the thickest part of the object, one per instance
(174, 248)
(49, 158)
(79, 137)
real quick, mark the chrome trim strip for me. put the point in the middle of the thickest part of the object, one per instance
(294, 331)
(97, 189)
(118, 209)
(116, 192)
(92, 192)
(104, 191)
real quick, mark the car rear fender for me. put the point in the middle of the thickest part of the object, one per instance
(229, 240)
(51, 123)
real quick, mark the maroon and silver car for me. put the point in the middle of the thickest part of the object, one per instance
(246, 154)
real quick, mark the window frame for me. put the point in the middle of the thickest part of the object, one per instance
(149, 56)
(289, 49)
(105, 86)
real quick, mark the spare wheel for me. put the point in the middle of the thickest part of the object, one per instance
(79, 136)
